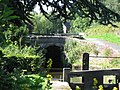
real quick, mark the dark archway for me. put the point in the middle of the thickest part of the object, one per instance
(54, 52)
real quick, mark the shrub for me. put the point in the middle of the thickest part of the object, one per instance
(42, 25)
(97, 29)
(107, 33)
(115, 63)
(13, 49)
(74, 50)
(107, 52)
(17, 66)
(15, 81)
(15, 33)
(24, 58)
(79, 25)
(32, 82)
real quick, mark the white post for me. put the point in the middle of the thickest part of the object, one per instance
(65, 73)
(64, 28)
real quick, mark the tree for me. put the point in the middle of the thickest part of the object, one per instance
(42, 25)
(113, 5)
(57, 26)
(79, 25)
(6, 14)
(64, 9)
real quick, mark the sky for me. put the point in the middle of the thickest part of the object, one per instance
(49, 9)
(37, 8)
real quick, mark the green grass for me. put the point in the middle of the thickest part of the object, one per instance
(108, 37)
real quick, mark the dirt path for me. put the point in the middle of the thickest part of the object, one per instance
(104, 43)
(57, 85)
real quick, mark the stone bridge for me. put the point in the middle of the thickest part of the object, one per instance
(53, 47)
(46, 41)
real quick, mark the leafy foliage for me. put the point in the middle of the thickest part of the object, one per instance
(15, 33)
(107, 52)
(24, 58)
(57, 26)
(115, 63)
(33, 82)
(79, 25)
(15, 81)
(15, 59)
(6, 14)
(95, 82)
(93, 9)
(42, 25)
(8, 30)
(15, 62)
(97, 29)
(74, 50)
(49, 64)
(113, 5)
(108, 33)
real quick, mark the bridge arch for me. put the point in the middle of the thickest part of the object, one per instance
(53, 47)
(54, 52)
(45, 46)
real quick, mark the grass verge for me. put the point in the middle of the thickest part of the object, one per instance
(108, 37)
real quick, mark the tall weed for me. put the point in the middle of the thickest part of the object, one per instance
(74, 50)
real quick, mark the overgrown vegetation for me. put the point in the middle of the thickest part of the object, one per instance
(74, 50)
(20, 66)
(79, 25)
(44, 26)
(108, 33)
(113, 5)
(17, 66)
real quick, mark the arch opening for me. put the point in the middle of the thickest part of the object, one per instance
(55, 53)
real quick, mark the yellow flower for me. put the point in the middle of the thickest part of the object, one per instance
(49, 77)
(115, 88)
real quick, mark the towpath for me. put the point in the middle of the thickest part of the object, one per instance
(104, 43)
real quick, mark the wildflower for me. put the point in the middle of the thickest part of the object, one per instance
(115, 88)
(49, 77)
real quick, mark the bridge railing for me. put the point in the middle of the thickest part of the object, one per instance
(79, 35)
(89, 80)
